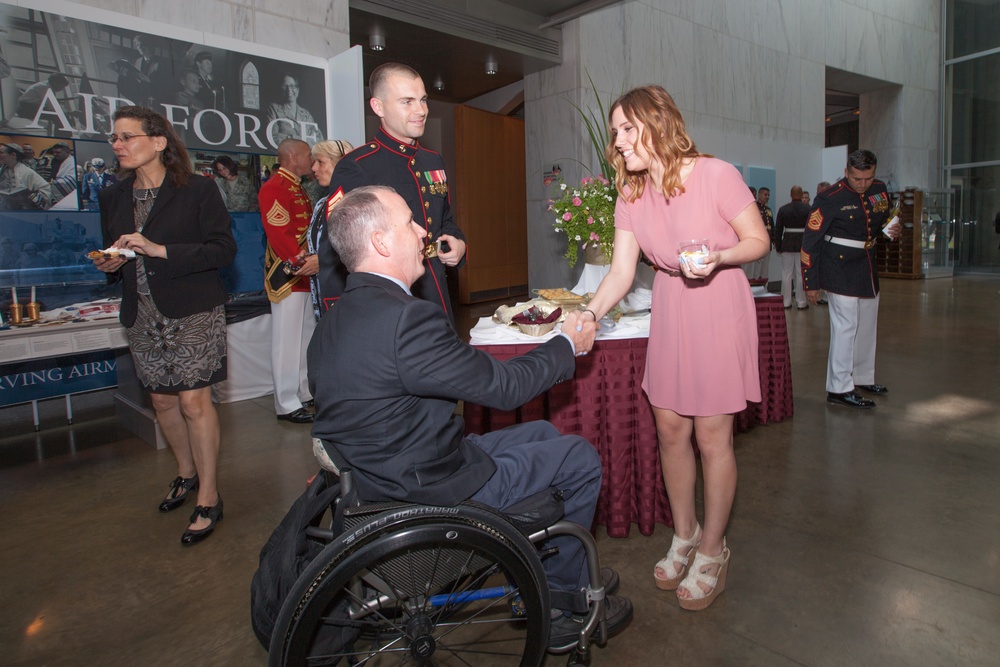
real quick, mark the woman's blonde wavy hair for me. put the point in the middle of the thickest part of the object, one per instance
(664, 137)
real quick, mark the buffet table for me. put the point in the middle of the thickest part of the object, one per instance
(73, 350)
(605, 404)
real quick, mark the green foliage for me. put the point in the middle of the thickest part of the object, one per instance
(586, 215)
(597, 129)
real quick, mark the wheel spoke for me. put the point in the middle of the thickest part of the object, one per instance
(435, 591)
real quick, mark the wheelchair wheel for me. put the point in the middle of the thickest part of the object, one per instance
(419, 586)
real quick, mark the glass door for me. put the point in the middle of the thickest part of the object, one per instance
(937, 224)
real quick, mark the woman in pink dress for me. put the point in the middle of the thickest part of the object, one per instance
(701, 367)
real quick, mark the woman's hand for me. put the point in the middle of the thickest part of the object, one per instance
(109, 264)
(708, 264)
(141, 245)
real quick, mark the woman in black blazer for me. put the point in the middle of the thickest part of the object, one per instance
(178, 228)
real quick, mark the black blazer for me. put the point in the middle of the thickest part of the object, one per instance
(194, 225)
(386, 370)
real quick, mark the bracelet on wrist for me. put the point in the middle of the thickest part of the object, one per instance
(592, 313)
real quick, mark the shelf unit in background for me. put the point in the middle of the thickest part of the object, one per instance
(901, 258)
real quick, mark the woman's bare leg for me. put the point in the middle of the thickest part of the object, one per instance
(679, 468)
(203, 435)
(175, 430)
(718, 462)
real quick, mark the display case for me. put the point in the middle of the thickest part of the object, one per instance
(902, 258)
(937, 225)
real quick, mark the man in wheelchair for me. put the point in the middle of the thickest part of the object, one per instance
(387, 370)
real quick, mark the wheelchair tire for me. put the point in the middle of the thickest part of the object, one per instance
(398, 590)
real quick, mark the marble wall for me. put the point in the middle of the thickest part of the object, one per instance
(314, 27)
(749, 77)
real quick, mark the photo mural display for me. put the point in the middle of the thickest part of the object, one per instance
(61, 79)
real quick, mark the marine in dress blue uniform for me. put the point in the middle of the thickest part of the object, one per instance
(838, 255)
(394, 157)
(418, 175)
(789, 226)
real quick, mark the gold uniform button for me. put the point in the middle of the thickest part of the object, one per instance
(427, 204)
(412, 162)
(423, 188)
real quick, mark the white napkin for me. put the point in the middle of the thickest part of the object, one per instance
(488, 332)
(640, 299)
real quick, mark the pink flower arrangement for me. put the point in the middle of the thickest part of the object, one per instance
(586, 215)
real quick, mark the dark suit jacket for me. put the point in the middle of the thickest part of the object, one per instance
(194, 225)
(386, 370)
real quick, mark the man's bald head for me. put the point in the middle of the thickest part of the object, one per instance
(295, 156)
(796, 193)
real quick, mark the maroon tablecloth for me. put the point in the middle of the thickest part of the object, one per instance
(605, 404)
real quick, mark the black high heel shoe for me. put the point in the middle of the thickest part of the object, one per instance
(176, 498)
(213, 514)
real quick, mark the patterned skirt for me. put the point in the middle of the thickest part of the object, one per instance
(178, 354)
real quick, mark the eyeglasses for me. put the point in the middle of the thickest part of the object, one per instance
(124, 138)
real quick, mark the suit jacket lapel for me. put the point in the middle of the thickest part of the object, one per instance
(122, 208)
(165, 194)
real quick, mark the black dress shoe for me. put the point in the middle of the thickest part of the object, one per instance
(300, 416)
(565, 630)
(213, 514)
(180, 486)
(610, 580)
(851, 400)
(873, 388)
(308, 404)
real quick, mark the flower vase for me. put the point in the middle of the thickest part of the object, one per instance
(596, 266)
(594, 255)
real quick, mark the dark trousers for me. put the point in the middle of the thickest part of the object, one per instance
(530, 458)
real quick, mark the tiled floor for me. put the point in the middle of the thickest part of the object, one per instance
(862, 538)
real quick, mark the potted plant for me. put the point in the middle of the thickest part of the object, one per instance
(586, 213)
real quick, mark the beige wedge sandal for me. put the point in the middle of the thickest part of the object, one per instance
(680, 554)
(700, 572)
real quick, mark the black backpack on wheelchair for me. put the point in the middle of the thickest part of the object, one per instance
(397, 583)
(288, 552)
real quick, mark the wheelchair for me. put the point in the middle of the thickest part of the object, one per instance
(405, 584)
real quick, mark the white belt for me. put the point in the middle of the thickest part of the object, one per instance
(850, 243)
(792, 230)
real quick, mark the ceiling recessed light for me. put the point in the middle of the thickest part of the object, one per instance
(376, 41)
(492, 67)
(438, 83)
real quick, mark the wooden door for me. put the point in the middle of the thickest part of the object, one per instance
(490, 201)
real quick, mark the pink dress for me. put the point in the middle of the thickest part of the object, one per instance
(702, 357)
